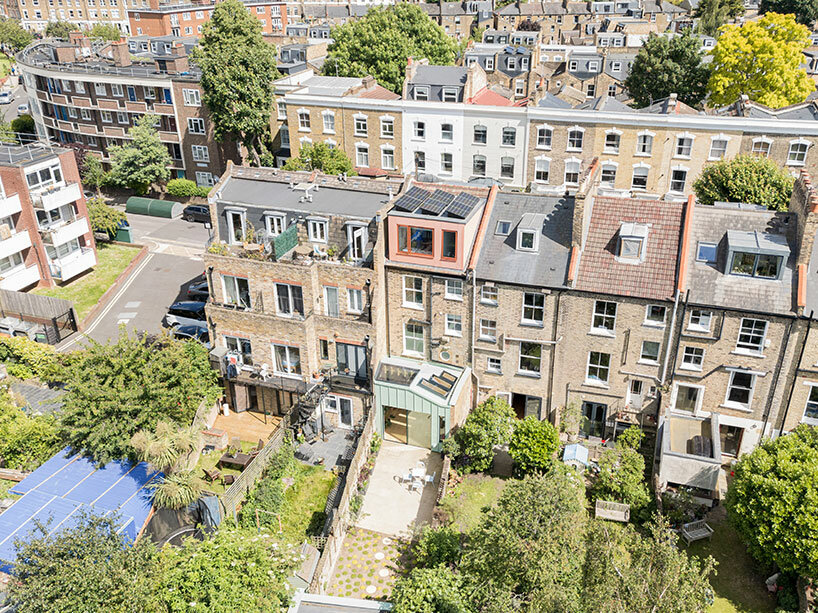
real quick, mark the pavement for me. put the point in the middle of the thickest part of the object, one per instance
(9, 111)
(174, 260)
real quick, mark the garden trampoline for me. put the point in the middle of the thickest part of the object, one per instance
(64, 485)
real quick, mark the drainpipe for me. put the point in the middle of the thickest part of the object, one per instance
(553, 349)
(776, 376)
(792, 388)
(476, 394)
(672, 327)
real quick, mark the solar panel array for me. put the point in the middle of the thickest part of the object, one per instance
(438, 202)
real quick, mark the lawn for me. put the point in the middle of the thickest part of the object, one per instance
(463, 505)
(739, 584)
(209, 461)
(85, 291)
(302, 513)
(5, 484)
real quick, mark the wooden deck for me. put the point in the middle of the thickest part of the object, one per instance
(248, 426)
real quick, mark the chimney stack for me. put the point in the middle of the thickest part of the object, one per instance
(120, 53)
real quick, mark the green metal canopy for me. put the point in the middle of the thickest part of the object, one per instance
(155, 208)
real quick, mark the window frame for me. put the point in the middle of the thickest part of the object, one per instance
(534, 308)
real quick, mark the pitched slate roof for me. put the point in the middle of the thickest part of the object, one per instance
(655, 277)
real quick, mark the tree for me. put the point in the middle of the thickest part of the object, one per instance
(83, 567)
(380, 43)
(773, 501)
(231, 571)
(528, 549)
(93, 173)
(26, 441)
(746, 178)
(805, 11)
(13, 35)
(142, 160)
(621, 478)
(437, 546)
(105, 31)
(631, 438)
(238, 69)
(533, 445)
(489, 424)
(115, 390)
(60, 29)
(628, 573)
(320, 156)
(712, 14)
(23, 127)
(761, 59)
(667, 66)
(429, 590)
(104, 218)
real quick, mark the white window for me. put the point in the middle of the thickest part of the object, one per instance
(446, 132)
(678, 179)
(612, 140)
(644, 143)
(488, 330)
(329, 122)
(699, 320)
(236, 291)
(317, 230)
(507, 167)
(489, 295)
(509, 137)
(362, 156)
(449, 94)
(413, 291)
(761, 146)
(282, 109)
(527, 239)
(511, 64)
(420, 129)
(542, 169)
(544, 135)
(530, 358)
(303, 120)
(355, 300)
(533, 309)
(191, 97)
(196, 125)
(751, 335)
(286, 360)
(99, 89)
(604, 319)
(72, 112)
(479, 165)
(289, 300)
(650, 352)
(274, 224)
(200, 153)
(388, 158)
(811, 410)
(692, 358)
(420, 161)
(86, 114)
(797, 154)
(655, 315)
(684, 145)
(489, 65)
(122, 118)
(572, 171)
(387, 127)
(480, 135)
(718, 148)
(608, 175)
(361, 125)
(421, 93)
(740, 389)
(639, 180)
(454, 325)
(413, 339)
(519, 87)
(599, 366)
(493, 365)
(446, 162)
(454, 289)
(575, 136)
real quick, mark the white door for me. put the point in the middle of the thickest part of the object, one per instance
(635, 394)
(357, 242)
(345, 412)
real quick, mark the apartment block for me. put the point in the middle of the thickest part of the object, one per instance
(90, 95)
(34, 15)
(156, 18)
(45, 235)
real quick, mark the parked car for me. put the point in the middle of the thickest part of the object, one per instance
(198, 291)
(188, 332)
(5, 97)
(185, 313)
(22, 109)
(196, 212)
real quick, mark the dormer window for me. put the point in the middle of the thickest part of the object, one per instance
(449, 94)
(527, 240)
(528, 231)
(421, 93)
(633, 238)
(756, 254)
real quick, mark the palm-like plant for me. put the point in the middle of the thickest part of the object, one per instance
(177, 490)
(164, 447)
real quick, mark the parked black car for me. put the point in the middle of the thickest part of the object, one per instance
(188, 332)
(186, 313)
(198, 291)
(196, 212)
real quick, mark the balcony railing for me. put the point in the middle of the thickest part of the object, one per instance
(73, 264)
(14, 243)
(54, 197)
(64, 231)
(19, 278)
(9, 205)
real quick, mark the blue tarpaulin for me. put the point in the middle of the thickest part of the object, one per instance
(64, 485)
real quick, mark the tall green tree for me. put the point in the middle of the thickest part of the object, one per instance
(533, 445)
(621, 478)
(13, 35)
(84, 567)
(26, 441)
(489, 424)
(772, 501)
(380, 43)
(104, 218)
(105, 31)
(761, 59)
(320, 156)
(805, 11)
(142, 160)
(745, 178)
(116, 389)
(24, 128)
(667, 66)
(712, 14)
(429, 590)
(93, 172)
(238, 69)
(529, 547)
(626, 572)
(60, 29)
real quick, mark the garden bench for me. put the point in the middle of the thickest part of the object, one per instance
(696, 531)
(615, 511)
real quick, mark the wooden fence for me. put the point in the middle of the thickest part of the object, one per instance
(56, 314)
(203, 419)
(444, 479)
(340, 514)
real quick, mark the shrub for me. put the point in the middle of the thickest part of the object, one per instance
(202, 192)
(26, 359)
(25, 441)
(533, 445)
(268, 496)
(182, 188)
(621, 478)
(437, 546)
(746, 178)
(429, 590)
(488, 424)
(631, 437)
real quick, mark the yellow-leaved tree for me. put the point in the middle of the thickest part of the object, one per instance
(761, 59)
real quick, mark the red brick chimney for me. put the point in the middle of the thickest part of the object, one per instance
(120, 53)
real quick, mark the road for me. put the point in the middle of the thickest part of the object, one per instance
(18, 96)
(174, 260)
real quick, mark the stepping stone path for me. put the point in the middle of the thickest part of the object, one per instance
(366, 566)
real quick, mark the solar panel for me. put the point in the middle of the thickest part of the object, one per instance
(411, 199)
(437, 202)
(462, 205)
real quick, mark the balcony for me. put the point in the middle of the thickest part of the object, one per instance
(15, 243)
(55, 197)
(9, 205)
(70, 266)
(62, 232)
(690, 451)
(19, 278)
